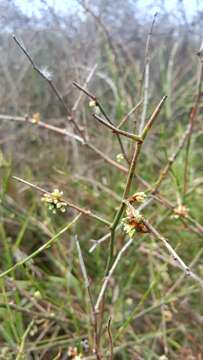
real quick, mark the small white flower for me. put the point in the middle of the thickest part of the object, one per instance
(92, 103)
(119, 157)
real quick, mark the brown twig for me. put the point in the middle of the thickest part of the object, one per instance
(172, 252)
(156, 195)
(49, 80)
(153, 117)
(64, 132)
(71, 205)
(98, 104)
(116, 130)
(110, 339)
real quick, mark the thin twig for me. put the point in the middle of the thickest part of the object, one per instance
(71, 205)
(116, 130)
(126, 117)
(77, 102)
(158, 197)
(110, 339)
(171, 160)
(176, 257)
(42, 124)
(110, 273)
(153, 117)
(186, 137)
(146, 76)
(173, 253)
(87, 285)
(82, 264)
(20, 354)
(192, 119)
(98, 104)
(47, 79)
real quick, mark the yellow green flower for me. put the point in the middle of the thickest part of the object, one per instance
(119, 157)
(54, 201)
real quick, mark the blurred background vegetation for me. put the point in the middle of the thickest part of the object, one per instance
(148, 320)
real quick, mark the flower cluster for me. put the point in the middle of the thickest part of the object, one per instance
(180, 211)
(133, 222)
(54, 201)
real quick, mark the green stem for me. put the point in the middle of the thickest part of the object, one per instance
(122, 206)
(137, 150)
